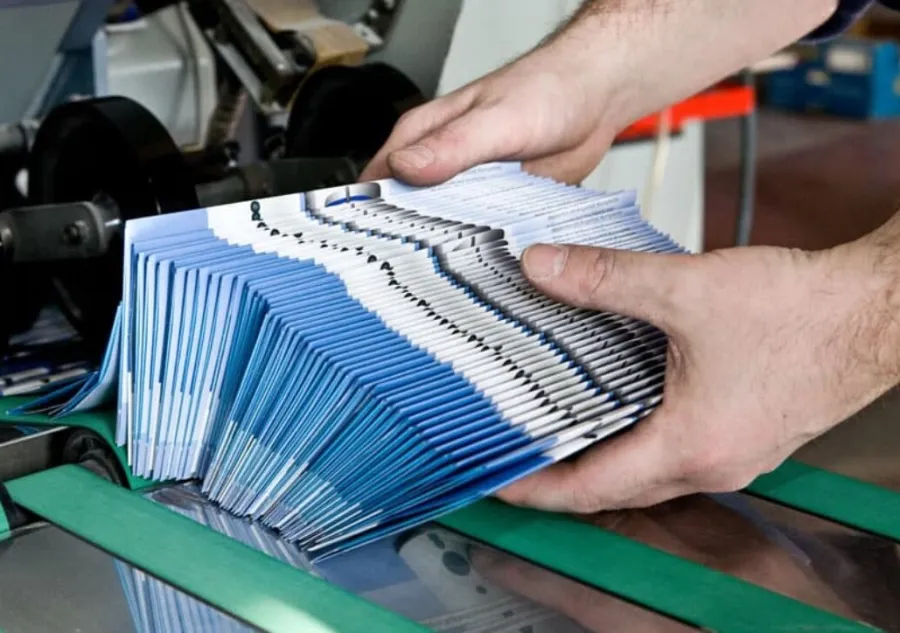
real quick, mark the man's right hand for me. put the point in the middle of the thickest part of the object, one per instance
(535, 110)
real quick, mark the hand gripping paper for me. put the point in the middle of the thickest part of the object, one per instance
(344, 364)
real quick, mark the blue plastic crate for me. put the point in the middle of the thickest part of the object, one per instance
(848, 77)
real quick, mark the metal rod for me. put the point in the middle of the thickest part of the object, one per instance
(746, 203)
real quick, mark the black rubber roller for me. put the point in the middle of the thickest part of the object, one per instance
(113, 151)
(90, 451)
(348, 111)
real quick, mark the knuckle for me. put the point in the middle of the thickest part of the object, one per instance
(714, 473)
(688, 280)
(408, 119)
(449, 135)
(715, 467)
(679, 283)
(455, 134)
(771, 465)
(596, 273)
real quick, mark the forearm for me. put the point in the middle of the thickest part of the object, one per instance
(861, 292)
(638, 56)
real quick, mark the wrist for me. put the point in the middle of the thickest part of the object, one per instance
(864, 275)
(588, 75)
(635, 57)
(595, 63)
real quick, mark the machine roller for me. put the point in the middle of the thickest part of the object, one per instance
(96, 163)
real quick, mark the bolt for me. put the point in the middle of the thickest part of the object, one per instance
(73, 233)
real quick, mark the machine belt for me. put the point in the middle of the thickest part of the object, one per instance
(275, 596)
(254, 587)
(851, 502)
(657, 580)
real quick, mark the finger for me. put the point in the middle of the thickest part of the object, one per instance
(559, 167)
(570, 166)
(647, 286)
(638, 465)
(482, 134)
(415, 124)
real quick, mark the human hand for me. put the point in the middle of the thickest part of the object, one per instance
(695, 528)
(539, 110)
(768, 348)
(558, 107)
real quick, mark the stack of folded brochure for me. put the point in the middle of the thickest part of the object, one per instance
(344, 364)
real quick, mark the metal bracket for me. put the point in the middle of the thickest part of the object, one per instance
(61, 231)
(377, 22)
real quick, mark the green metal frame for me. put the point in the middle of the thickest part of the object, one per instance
(276, 597)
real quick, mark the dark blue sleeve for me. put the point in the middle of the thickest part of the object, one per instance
(847, 12)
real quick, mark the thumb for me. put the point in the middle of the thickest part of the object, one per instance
(480, 135)
(646, 286)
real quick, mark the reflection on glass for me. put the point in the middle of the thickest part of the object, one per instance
(862, 570)
(833, 568)
(863, 446)
(431, 575)
(160, 608)
(52, 581)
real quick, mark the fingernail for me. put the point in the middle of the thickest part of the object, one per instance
(414, 157)
(544, 262)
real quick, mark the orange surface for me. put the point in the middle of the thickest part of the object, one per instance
(721, 102)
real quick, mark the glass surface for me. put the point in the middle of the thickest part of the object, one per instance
(441, 579)
(831, 567)
(863, 446)
(451, 583)
(847, 571)
(52, 582)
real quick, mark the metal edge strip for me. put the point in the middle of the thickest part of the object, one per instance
(681, 589)
(240, 581)
(4, 524)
